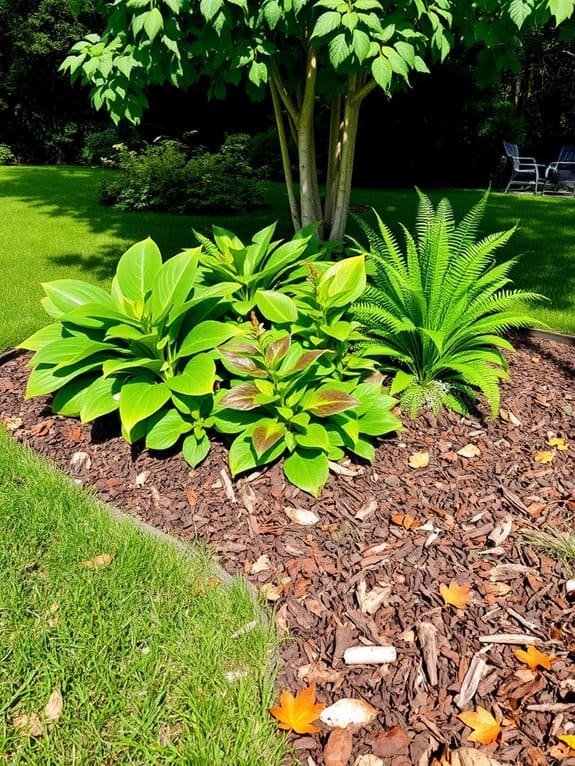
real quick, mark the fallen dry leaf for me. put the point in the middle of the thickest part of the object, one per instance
(560, 752)
(455, 594)
(29, 725)
(469, 756)
(544, 457)
(558, 442)
(370, 601)
(54, 707)
(262, 564)
(470, 450)
(298, 713)
(11, 423)
(569, 740)
(41, 428)
(348, 712)
(272, 592)
(368, 760)
(534, 658)
(419, 460)
(337, 751)
(302, 517)
(98, 562)
(406, 521)
(386, 744)
(485, 728)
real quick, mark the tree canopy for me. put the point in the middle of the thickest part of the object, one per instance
(303, 50)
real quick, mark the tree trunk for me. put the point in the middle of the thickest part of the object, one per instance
(334, 158)
(343, 187)
(286, 161)
(310, 203)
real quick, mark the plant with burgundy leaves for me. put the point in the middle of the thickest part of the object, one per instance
(285, 401)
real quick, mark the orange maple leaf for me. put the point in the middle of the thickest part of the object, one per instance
(406, 521)
(455, 594)
(485, 727)
(534, 658)
(299, 712)
(569, 740)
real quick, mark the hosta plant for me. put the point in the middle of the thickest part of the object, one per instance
(259, 270)
(284, 401)
(324, 319)
(145, 349)
(436, 310)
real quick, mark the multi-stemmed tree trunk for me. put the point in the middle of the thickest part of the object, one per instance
(298, 120)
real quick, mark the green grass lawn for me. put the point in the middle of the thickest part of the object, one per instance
(53, 226)
(139, 650)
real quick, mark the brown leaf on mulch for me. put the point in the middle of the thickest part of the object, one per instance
(356, 578)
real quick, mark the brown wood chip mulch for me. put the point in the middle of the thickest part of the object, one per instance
(357, 578)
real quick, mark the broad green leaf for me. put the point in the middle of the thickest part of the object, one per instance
(343, 282)
(68, 400)
(68, 294)
(242, 455)
(173, 283)
(44, 379)
(137, 270)
(165, 428)
(101, 398)
(69, 350)
(308, 470)
(153, 23)
(141, 397)
(207, 336)
(48, 334)
(195, 449)
(276, 307)
(198, 378)
(315, 436)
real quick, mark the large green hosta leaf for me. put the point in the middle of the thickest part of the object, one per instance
(141, 397)
(137, 270)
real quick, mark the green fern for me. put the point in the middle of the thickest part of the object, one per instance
(435, 311)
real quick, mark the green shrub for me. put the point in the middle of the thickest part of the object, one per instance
(436, 311)
(265, 154)
(283, 400)
(165, 177)
(164, 351)
(100, 146)
(6, 155)
(259, 269)
(145, 349)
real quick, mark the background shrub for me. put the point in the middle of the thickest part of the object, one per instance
(99, 145)
(168, 177)
(6, 155)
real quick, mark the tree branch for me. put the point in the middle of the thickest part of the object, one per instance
(282, 91)
(293, 205)
(364, 91)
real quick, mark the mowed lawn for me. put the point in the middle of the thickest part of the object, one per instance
(52, 226)
(155, 661)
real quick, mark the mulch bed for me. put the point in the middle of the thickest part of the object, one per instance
(321, 575)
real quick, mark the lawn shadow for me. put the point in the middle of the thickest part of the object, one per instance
(47, 190)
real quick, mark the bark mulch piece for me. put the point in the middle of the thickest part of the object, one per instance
(356, 577)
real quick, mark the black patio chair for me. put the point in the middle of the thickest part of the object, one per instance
(561, 174)
(524, 171)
